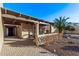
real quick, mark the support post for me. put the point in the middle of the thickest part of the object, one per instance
(1, 32)
(50, 29)
(36, 34)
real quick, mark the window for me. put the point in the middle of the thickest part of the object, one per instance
(44, 29)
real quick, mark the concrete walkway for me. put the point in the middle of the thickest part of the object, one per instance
(21, 48)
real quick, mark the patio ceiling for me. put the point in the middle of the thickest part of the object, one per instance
(21, 18)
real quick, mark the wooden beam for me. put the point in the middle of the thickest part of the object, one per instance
(18, 18)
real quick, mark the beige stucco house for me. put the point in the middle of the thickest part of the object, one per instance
(23, 26)
(13, 24)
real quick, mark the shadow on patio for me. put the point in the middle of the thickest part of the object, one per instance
(71, 48)
(19, 43)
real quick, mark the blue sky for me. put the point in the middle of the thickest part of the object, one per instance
(47, 11)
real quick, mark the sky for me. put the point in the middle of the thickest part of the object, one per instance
(46, 11)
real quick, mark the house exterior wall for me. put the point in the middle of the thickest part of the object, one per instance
(52, 29)
(23, 29)
(27, 30)
(18, 31)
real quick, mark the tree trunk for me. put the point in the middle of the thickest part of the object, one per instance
(61, 35)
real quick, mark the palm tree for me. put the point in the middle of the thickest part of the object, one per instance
(61, 24)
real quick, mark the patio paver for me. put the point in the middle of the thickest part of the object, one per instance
(8, 50)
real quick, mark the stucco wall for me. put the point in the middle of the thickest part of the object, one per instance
(18, 30)
(53, 29)
(27, 29)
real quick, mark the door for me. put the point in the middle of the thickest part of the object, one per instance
(11, 31)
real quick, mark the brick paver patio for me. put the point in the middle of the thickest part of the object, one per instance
(23, 48)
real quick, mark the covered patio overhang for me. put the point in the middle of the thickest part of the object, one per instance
(40, 38)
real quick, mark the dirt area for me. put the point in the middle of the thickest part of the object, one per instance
(65, 47)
